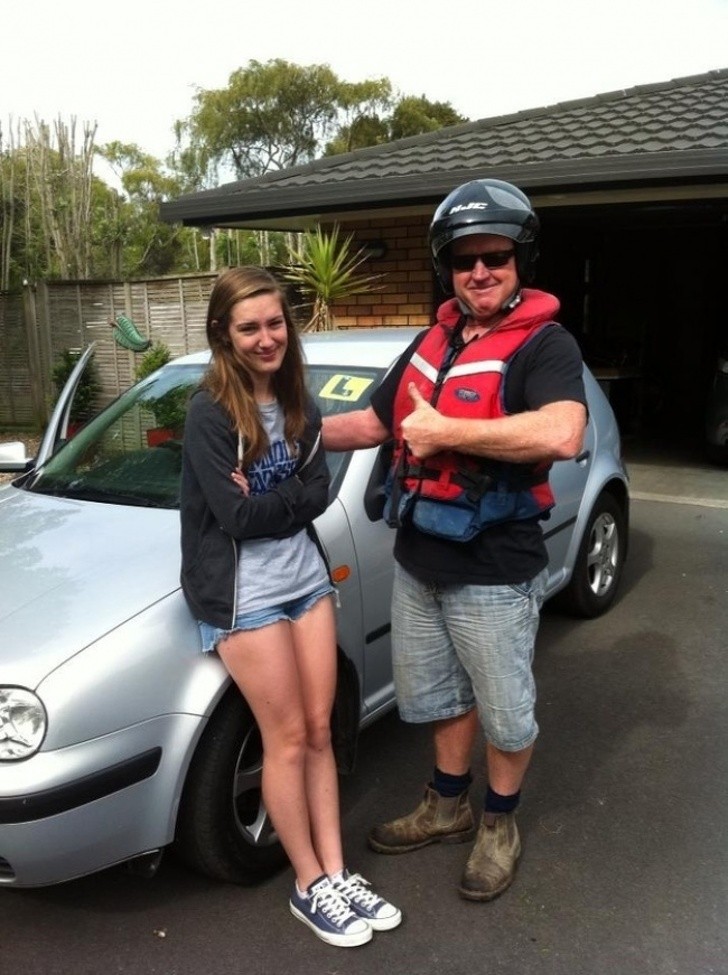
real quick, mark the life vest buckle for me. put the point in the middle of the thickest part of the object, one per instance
(475, 483)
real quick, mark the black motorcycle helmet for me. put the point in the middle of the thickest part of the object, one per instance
(484, 206)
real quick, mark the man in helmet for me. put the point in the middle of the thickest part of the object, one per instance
(479, 406)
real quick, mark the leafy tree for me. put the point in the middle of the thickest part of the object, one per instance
(11, 178)
(415, 116)
(57, 219)
(271, 116)
(363, 109)
(130, 225)
(234, 247)
(60, 176)
(276, 115)
(49, 201)
(389, 120)
(110, 230)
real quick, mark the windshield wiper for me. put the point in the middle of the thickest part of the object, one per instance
(82, 492)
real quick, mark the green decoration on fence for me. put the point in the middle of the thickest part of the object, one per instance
(127, 336)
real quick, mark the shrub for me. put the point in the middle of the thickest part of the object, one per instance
(170, 409)
(154, 358)
(84, 400)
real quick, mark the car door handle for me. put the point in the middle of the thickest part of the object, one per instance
(583, 457)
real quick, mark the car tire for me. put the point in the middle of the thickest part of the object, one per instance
(223, 829)
(599, 561)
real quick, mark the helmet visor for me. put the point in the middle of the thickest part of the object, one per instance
(512, 231)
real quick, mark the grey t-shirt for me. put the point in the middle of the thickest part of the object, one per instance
(276, 570)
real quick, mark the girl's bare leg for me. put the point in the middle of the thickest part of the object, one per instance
(314, 639)
(263, 664)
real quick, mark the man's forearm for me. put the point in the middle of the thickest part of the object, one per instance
(353, 431)
(554, 432)
(522, 438)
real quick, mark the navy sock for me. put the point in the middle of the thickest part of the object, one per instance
(449, 786)
(494, 802)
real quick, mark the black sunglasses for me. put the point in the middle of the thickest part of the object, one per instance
(491, 259)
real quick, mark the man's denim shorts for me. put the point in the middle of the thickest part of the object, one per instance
(456, 647)
(291, 611)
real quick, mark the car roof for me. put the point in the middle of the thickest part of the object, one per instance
(360, 346)
(377, 347)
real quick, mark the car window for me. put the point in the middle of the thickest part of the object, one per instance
(131, 453)
(340, 389)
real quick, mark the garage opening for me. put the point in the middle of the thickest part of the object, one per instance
(639, 289)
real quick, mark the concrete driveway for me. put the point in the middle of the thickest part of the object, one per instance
(675, 472)
(624, 820)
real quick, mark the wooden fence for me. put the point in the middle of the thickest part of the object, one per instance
(37, 325)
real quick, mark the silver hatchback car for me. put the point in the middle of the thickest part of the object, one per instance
(118, 737)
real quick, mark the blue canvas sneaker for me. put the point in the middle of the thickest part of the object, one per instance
(382, 915)
(329, 915)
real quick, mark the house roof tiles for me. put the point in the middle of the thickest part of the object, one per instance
(671, 130)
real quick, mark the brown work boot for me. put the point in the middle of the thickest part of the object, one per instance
(491, 866)
(436, 820)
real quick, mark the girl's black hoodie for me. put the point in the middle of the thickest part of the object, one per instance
(216, 516)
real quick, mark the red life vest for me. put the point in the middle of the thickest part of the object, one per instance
(456, 495)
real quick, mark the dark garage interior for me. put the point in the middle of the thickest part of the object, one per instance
(639, 287)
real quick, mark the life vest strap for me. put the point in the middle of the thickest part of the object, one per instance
(475, 483)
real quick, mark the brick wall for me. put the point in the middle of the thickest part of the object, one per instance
(405, 295)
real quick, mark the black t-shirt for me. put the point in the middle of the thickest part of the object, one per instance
(546, 370)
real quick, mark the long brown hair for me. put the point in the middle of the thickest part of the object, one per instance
(229, 382)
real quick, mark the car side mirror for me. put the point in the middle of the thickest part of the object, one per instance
(13, 458)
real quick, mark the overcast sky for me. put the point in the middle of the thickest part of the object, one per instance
(133, 67)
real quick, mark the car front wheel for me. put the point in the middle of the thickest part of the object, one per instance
(223, 829)
(599, 562)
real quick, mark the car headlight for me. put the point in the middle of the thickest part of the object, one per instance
(22, 723)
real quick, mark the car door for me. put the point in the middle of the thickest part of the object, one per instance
(568, 482)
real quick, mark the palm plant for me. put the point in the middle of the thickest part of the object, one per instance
(324, 271)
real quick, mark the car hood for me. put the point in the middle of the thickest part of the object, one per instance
(71, 571)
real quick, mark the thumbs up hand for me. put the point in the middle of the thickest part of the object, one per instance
(423, 427)
(418, 400)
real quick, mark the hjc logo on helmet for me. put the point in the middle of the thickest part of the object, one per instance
(475, 205)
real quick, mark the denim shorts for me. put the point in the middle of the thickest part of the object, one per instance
(291, 611)
(456, 647)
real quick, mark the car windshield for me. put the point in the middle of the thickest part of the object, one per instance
(131, 453)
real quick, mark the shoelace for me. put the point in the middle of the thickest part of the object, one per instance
(333, 904)
(355, 889)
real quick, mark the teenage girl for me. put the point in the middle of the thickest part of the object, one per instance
(254, 478)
